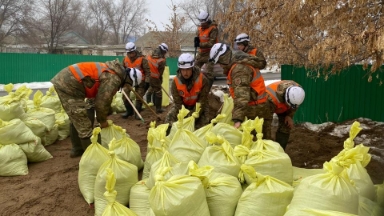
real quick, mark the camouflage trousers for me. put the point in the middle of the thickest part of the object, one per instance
(140, 89)
(262, 111)
(155, 84)
(72, 96)
(199, 122)
(283, 128)
(201, 59)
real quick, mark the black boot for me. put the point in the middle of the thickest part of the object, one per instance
(85, 142)
(149, 97)
(77, 149)
(139, 108)
(158, 101)
(128, 110)
(282, 139)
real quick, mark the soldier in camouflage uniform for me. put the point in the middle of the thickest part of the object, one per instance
(135, 59)
(88, 80)
(242, 41)
(157, 65)
(188, 88)
(285, 96)
(246, 84)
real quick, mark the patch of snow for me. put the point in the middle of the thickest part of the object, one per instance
(377, 158)
(316, 127)
(31, 85)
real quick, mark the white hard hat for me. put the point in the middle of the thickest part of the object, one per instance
(164, 47)
(203, 17)
(130, 47)
(294, 96)
(185, 60)
(216, 51)
(241, 38)
(136, 76)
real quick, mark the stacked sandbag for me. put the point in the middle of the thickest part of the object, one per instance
(117, 104)
(13, 161)
(51, 100)
(11, 105)
(15, 131)
(63, 124)
(139, 198)
(201, 132)
(300, 173)
(35, 151)
(110, 132)
(185, 123)
(230, 133)
(226, 110)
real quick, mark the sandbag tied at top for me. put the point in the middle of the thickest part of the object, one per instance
(110, 132)
(185, 145)
(222, 190)
(331, 191)
(357, 158)
(179, 195)
(11, 105)
(226, 110)
(46, 115)
(230, 133)
(51, 100)
(265, 195)
(185, 123)
(200, 133)
(261, 143)
(220, 155)
(91, 160)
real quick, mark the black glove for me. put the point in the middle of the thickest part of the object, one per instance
(197, 41)
(146, 86)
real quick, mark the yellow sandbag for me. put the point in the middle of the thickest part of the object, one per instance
(301, 173)
(63, 123)
(230, 133)
(108, 133)
(265, 195)
(316, 212)
(368, 207)
(51, 136)
(117, 103)
(126, 176)
(200, 133)
(227, 110)
(35, 151)
(10, 105)
(179, 195)
(358, 158)
(37, 127)
(91, 160)
(185, 123)
(15, 131)
(331, 191)
(114, 208)
(157, 143)
(261, 143)
(175, 167)
(139, 198)
(13, 161)
(128, 150)
(46, 115)
(380, 194)
(222, 190)
(51, 100)
(220, 155)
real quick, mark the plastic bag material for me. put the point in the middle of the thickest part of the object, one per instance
(158, 142)
(35, 151)
(51, 100)
(220, 155)
(380, 194)
(13, 161)
(368, 207)
(114, 208)
(51, 136)
(91, 160)
(46, 115)
(126, 176)
(10, 105)
(222, 190)
(331, 191)
(113, 131)
(37, 127)
(185, 123)
(200, 133)
(179, 195)
(128, 150)
(261, 143)
(316, 212)
(117, 103)
(301, 173)
(227, 110)
(230, 133)
(15, 131)
(265, 195)
(63, 124)
(170, 165)
(139, 198)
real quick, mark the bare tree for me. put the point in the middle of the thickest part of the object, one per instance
(51, 21)
(97, 21)
(11, 12)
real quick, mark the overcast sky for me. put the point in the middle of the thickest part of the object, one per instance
(159, 12)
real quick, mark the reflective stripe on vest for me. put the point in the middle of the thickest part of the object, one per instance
(154, 66)
(136, 64)
(257, 84)
(281, 106)
(189, 98)
(204, 37)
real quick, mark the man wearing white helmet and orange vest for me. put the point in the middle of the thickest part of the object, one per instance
(157, 64)
(285, 97)
(246, 85)
(243, 43)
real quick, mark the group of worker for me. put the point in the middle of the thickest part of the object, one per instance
(143, 75)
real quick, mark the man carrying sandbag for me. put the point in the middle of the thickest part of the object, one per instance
(285, 97)
(95, 80)
(188, 88)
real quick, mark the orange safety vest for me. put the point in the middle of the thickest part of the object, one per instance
(281, 107)
(154, 66)
(136, 64)
(252, 51)
(93, 70)
(189, 97)
(204, 37)
(257, 84)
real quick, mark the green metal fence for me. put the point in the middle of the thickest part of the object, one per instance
(347, 95)
(20, 67)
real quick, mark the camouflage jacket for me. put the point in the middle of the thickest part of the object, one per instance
(144, 65)
(280, 93)
(203, 94)
(156, 53)
(213, 35)
(259, 54)
(243, 75)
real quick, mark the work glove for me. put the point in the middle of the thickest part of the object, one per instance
(146, 86)
(197, 41)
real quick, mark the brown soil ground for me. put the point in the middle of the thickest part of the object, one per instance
(51, 186)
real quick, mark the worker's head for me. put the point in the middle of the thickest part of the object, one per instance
(294, 96)
(185, 64)
(164, 48)
(242, 41)
(130, 48)
(220, 54)
(203, 18)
